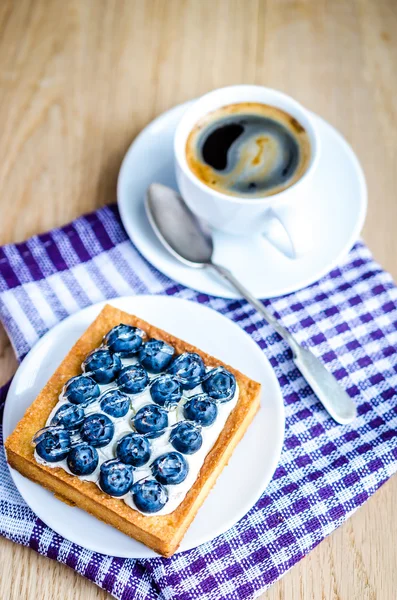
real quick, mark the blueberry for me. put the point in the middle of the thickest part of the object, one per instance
(156, 355)
(133, 449)
(102, 365)
(69, 416)
(115, 403)
(81, 389)
(220, 385)
(170, 468)
(200, 409)
(82, 460)
(133, 379)
(189, 369)
(166, 390)
(186, 438)
(97, 430)
(149, 495)
(124, 339)
(151, 419)
(52, 444)
(115, 478)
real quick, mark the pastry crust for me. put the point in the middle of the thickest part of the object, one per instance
(162, 533)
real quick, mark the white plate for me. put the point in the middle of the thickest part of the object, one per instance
(253, 462)
(338, 208)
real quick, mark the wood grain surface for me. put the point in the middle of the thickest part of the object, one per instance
(80, 78)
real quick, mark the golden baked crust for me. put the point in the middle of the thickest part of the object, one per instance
(161, 533)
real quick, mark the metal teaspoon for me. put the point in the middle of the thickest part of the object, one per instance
(189, 239)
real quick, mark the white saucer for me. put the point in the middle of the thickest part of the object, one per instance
(250, 468)
(338, 208)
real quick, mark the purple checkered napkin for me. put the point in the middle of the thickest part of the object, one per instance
(326, 470)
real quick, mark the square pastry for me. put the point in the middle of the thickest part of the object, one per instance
(134, 427)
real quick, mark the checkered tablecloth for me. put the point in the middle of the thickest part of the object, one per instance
(326, 470)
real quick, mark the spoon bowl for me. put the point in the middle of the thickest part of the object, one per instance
(177, 227)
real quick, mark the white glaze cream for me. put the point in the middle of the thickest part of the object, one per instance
(160, 445)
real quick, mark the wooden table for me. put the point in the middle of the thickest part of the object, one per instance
(80, 78)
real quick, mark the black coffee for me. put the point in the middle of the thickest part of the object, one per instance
(248, 149)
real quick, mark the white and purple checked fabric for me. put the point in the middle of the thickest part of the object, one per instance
(326, 470)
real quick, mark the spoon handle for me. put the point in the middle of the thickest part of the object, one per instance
(330, 393)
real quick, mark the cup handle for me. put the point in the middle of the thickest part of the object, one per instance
(289, 230)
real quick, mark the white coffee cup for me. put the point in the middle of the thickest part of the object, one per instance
(284, 218)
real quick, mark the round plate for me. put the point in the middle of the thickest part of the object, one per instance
(337, 210)
(259, 450)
